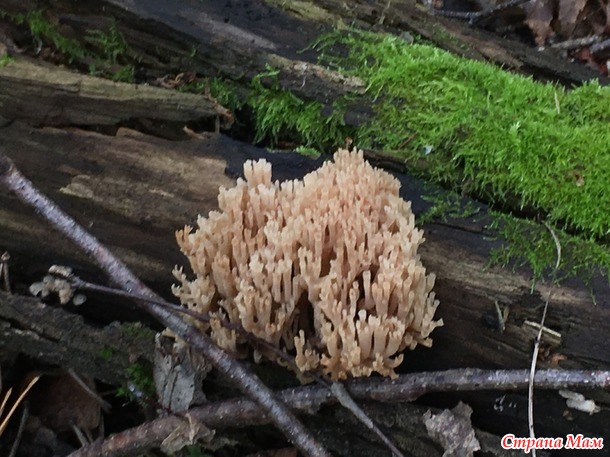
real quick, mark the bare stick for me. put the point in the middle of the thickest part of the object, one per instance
(408, 387)
(341, 394)
(475, 16)
(576, 43)
(20, 398)
(118, 272)
(267, 349)
(17, 441)
(530, 389)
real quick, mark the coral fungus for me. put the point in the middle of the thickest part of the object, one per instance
(325, 268)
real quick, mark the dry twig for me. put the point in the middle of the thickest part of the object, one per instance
(408, 387)
(530, 393)
(266, 348)
(118, 272)
(4, 421)
(475, 16)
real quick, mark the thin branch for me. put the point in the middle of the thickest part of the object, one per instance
(17, 440)
(576, 43)
(342, 395)
(336, 388)
(120, 274)
(475, 16)
(530, 393)
(599, 47)
(407, 387)
(19, 399)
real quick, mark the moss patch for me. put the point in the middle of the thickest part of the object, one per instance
(531, 244)
(522, 146)
(105, 52)
(500, 137)
(279, 115)
(506, 136)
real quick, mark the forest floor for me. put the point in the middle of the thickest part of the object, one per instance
(348, 87)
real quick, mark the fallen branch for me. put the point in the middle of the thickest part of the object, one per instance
(475, 16)
(336, 388)
(408, 387)
(121, 275)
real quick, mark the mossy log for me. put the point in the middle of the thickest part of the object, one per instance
(239, 40)
(132, 191)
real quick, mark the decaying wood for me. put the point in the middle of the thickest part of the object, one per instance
(185, 180)
(46, 95)
(58, 337)
(243, 39)
(212, 41)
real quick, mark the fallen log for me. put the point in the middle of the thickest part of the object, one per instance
(132, 191)
(47, 95)
(211, 41)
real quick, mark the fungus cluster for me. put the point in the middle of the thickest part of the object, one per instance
(325, 268)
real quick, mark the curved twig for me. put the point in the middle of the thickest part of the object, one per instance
(120, 274)
(243, 412)
(530, 390)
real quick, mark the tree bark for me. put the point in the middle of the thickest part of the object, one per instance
(46, 95)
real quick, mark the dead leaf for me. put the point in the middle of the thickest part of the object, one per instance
(178, 374)
(453, 430)
(190, 431)
(61, 403)
(539, 17)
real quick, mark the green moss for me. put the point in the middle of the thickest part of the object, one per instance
(224, 91)
(504, 134)
(530, 244)
(307, 151)
(496, 136)
(141, 383)
(445, 206)
(44, 30)
(279, 113)
(5, 60)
